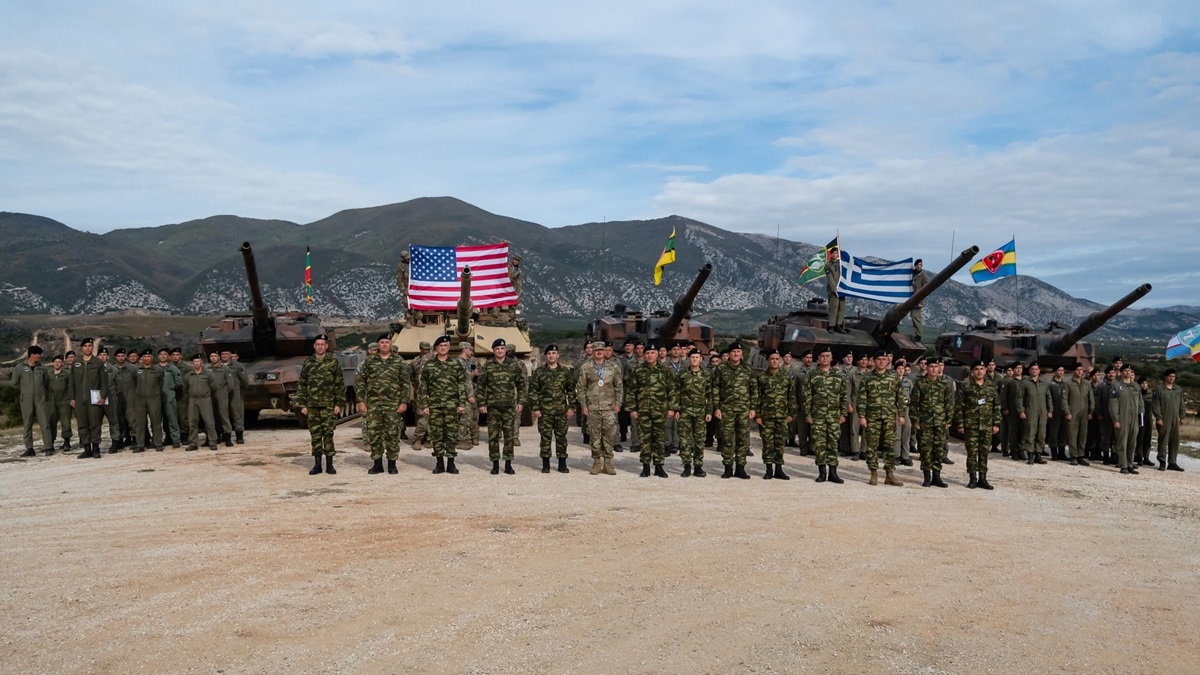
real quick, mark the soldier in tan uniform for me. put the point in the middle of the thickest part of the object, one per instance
(600, 390)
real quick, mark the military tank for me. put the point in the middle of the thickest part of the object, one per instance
(1051, 347)
(272, 347)
(808, 328)
(661, 328)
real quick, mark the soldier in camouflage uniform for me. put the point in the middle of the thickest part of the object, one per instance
(320, 394)
(881, 406)
(735, 397)
(904, 429)
(977, 418)
(600, 390)
(421, 432)
(651, 398)
(468, 429)
(198, 387)
(501, 389)
(385, 386)
(932, 410)
(693, 405)
(58, 393)
(551, 401)
(776, 410)
(826, 400)
(442, 397)
(1033, 407)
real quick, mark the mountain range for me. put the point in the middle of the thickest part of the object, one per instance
(571, 273)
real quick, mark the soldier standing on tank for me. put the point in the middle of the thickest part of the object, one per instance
(977, 418)
(1169, 414)
(58, 395)
(468, 429)
(1145, 424)
(919, 279)
(651, 395)
(442, 397)
(235, 379)
(1080, 402)
(402, 280)
(600, 390)
(694, 406)
(1056, 426)
(89, 382)
(385, 387)
(146, 403)
(499, 395)
(551, 401)
(776, 410)
(931, 410)
(735, 397)
(1034, 408)
(320, 393)
(32, 385)
(837, 303)
(171, 379)
(881, 406)
(199, 383)
(421, 432)
(827, 401)
(1125, 410)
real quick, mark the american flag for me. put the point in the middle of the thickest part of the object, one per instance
(435, 276)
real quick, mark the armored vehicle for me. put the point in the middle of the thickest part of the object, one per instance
(1051, 347)
(272, 347)
(660, 328)
(808, 328)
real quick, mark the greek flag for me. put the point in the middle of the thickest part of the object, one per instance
(884, 282)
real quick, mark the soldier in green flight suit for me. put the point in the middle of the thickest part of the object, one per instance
(198, 386)
(1058, 424)
(1125, 408)
(442, 397)
(385, 386)
(145, 401)
(1014, 424)
(776, 410)
(1034, 408)
(58, 393)
(1169, 414)
(500, 391)
(600, 390)
(319, 394)
(931, 409)
(172, 379)
(89, 382)
(736, 399)
(977, 417)
(121, 379)
(221, 398)
(32, 384)
(235, 379)
(552, 402)
(1081, 402)
(826, 400)
(651, 397)
(881, 405)
(694, 405)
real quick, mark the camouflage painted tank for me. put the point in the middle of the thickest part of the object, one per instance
(660, 328)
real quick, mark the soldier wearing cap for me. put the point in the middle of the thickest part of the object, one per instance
(1034, 408)
(776, 409)
(551, 401)
(600, 391)
(1125, 408)
(421, 432)
(172, 379)
(385, 388)
(1080, 404)
(826, 400)
(32, 385)
(402, 280)
(198, 386)
(932, 410)
(146, 402)
(881, 406)
(58, 398)
(735, 399)
(977, 417)
(320, 394)
(1169, 414)
(837, 302)
(499, 395)
(514, 274)
(468, 429)
(694, 403)
(442, 398)
(89, 382)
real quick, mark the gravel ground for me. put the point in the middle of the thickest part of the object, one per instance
(238, 561)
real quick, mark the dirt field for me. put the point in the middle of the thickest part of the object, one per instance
(239, 561)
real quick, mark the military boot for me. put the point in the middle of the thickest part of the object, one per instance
(1037, 458)
(29, 452)
(983, 484)
(1174, 467)
(495, 467)
(1073, 462)
(687, 470)
(946, 460)
(596, 466)
(508, 469)
(699, 472)
(659, 471)
(740, 472)
(1084, 462)
(834, 477)
(450, 468)
(937, 480)
(191, 447)
(770, 472)
(971, 484)
(821, 476)
(728, 471)
(440, 465)
(889, 478)
(377, 467)
(392, 468)
(545, 465)
(562, 465)
(96, 451)
(645, 470)
(618, 448)
(861, 457)
(229, 441)
(113, 449)
(316, 466)
(874, 479)
(925, 483)
(417, 444)
(49, 450)
(779, 474)
(608, 467)
(1162, 465)
(329, 465)
(241, 437)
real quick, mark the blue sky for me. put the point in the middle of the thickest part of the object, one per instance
(1072, 125)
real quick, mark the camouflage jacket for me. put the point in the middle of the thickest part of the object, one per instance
(977, 407)
(931, 403)
(501, 385)
(880, 397)
(734, 388)
(552, 390)
(776, 395)
(652, 389)
(385, 382)
(826, 395)
(443, 385)
(593, 394)
(693, 393)
(321, 384)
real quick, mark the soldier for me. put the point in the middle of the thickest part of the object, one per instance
(235, 379)
(1145, 424)
(651, 396)
(402, 277)
(1081, 402)
(468, 430)
(199, 383)
(837, 303)
(1125, 409)
(792, 368)
(551, 401)
(693, 406)
(514, 274)
(32, 385)
(442, 397)
(221, 398)
(1169, 415)
(712, 430)
(172, 379)
(118, 412)
(676, 364)
(881, 406)
(89, 383)
(848, 439)
(628, 362)
(526, 371)
(1057, 425)
(1033, 407)
(600, 390)
(501, 388)
(385, 385)
(421, 432)
(951, 391)
(735, 397)
(583, 423)
(319, 393)
(58, 395)
(146, 400)
(181, 402)
(919, 279)
(1107, 432)
(904, 429)
(776, 409)
(996, 379)
(826, 400)
(931, 410)
(977, 417)
(1014, 392)
(800, 423)
(69, 359)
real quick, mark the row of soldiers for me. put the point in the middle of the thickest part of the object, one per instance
(147, 402)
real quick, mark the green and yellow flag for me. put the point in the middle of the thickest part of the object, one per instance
(308, 296)
(667, 257)
(815, 268)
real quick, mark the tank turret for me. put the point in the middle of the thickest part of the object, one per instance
(896, 314)
(1096, 320)
(264, 323)
(683, 306)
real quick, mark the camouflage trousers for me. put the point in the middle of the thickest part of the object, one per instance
(774, 436)
(931, 440)
(468, 429)
(825, 432)
(652, 431)
(979, 443)
(692, 428)
(880, 438)
(321, 423)
(200, 411)
(441, 431)
(553, 427)
(1034, 439)
(421, 432)
(735, 433)
(1077, 435)
(500, 423)
(602, 431)
(383, 430)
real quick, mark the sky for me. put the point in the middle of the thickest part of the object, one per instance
(903, 127)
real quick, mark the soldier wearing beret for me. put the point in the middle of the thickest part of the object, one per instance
(499, 395)
(826, 400)
(58, 393)
(977, 417)
(1169, 414)
(146, 402)
(881, 406)
(442, 397)
(776, 409)
(468, 429)
(89, 382)
(551, 401)
(32, 384)
(320, 394)
(385, 388)
(735, 399)
(421, 432)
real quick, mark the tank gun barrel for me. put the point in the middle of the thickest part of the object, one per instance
(1096, 320)
(463, 325)
(683, 304)
(258, 307)
(896, 314)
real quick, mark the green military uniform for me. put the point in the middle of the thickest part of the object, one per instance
(1169, 412)
(1014, 391)
(735, 395)
(421, 431)
(776, 403)
(146, 402)
(221, 376)
(1034, 401)
(849, 440)
(172, 379)
(551, 393)
(87, 376)
(904, 431)
(1146, 430)
(1125, 407)
(321, 388)
(694, 402)
(918, 282)
(1081, 402)
(881, 402)
(235, 379)
(826, 400)
(32, 385)
(1057, 426)
(384, 385)
(443, 391)
(976, 411)
(651, 395)
(600, 390)
(198, 388)
(58, 396)
(837, 303)
(116, 410)
(468, 427)
(501, 388)
(803, 428)
(931, 409)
